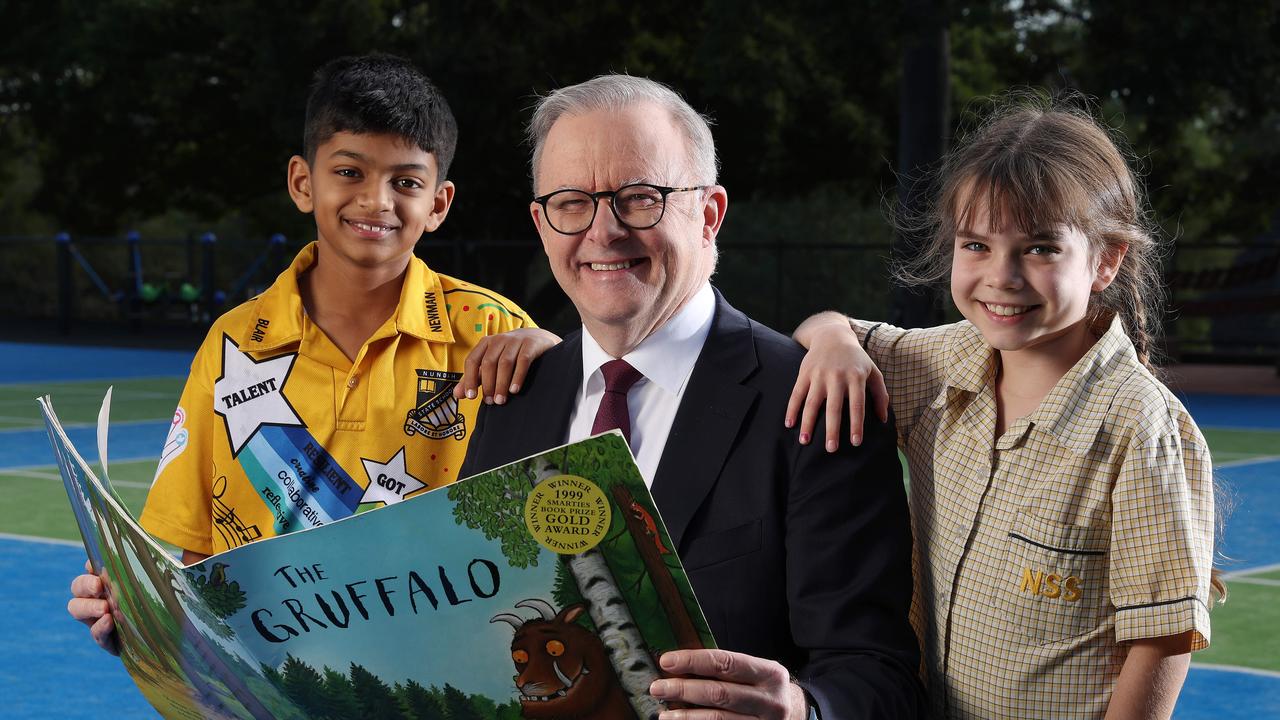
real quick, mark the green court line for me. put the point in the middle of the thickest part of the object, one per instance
(1251, 580)
(1228, 445)
(39, 539)
(1234, 668)
(38, 506)
(1258, 459)
(1246, 629)
(78, 402)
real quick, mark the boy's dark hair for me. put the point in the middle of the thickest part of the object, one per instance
(379, 94)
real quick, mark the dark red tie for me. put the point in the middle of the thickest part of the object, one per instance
(619, 376)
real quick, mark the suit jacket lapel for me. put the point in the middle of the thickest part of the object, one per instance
(708, 420)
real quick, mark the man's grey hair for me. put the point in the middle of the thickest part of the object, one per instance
(616, 92)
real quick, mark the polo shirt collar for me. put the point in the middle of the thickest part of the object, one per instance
(667, 356)
(422, 312)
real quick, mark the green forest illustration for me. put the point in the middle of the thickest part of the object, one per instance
(328, 694)
(494, 504)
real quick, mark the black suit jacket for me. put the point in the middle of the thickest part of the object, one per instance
(796, 554)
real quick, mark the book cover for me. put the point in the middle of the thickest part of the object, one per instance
(543, 589)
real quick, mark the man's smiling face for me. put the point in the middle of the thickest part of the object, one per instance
(373, 197)
(627, 282)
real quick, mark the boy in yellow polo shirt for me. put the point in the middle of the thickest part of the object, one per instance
(333, 390)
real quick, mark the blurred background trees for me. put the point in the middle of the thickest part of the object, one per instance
(175, 116)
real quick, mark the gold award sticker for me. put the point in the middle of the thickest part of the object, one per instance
(567, 514)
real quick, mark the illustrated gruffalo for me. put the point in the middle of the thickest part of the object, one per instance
(564, 669)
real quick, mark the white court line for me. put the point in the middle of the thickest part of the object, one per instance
(94, 463)
(69, 426)
(33, 474)
(1231, 464)
(1254, 581)
(58, 478)
(1250, 571)
(57, 392)
(1236, 669)
(34, 539)
(75, 385)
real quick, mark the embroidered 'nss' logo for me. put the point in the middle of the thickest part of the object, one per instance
(436, 415)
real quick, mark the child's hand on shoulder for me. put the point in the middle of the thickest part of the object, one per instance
(836, 368)
(498, 363)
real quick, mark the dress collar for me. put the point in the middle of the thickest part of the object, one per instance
(971, 364)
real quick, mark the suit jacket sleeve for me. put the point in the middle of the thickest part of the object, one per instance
(479, 456)
(849, 578)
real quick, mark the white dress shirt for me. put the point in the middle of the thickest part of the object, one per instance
(666, 360)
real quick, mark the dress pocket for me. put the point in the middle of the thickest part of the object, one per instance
(1055, 582)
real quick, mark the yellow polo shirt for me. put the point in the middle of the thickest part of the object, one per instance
(278, 431)
(1088, 523)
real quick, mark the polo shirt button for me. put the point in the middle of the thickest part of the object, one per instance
(355, 380)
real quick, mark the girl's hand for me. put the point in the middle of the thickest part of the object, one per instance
(835, 368)
(498, 363)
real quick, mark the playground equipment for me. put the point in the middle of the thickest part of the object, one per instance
(193, 295)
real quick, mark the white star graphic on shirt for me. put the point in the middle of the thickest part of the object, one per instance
(250, 394)
(389, 482)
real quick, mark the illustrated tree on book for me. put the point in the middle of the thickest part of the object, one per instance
(421, 702)
(376, 700)
(360, 695)
(494, 504)
(221, 598)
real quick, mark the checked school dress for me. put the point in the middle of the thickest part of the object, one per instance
(1088, 523)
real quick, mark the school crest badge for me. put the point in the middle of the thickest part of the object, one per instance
(436, 414)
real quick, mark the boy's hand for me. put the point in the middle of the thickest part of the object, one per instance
(89, 605)
(835, 368)
(498, 363)
(723, 684)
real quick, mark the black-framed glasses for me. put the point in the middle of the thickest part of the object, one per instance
(638, 206)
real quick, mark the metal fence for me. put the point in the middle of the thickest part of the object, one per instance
(1224, 296)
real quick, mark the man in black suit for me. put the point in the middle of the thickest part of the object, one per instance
(800, 557)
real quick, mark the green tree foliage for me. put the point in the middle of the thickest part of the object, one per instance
(494, 504)
(483, 706)
(376, 699)
(421, 702)
(339, 695)
(1195, 92)
(120, 111)
(198, 105)
(331, 695)
(223, 597)
(509, 711)
(602, 464)
(457, 706)
(304, 686)
(566, 592)
(501, 494)
(272, 675)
